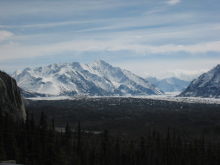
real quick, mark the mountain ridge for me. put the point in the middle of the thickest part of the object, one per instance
(207, 85)
(93, 79)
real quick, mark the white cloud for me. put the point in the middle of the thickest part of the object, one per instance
(5, 35)
(186, 69)
(187, 75)
(58, 8)
(115, 23)
(197, 48)
(14, 51)
(173, 2)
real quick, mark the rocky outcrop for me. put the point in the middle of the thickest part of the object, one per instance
(11, 100)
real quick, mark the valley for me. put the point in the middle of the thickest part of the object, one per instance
(103, 97)
(127, 115)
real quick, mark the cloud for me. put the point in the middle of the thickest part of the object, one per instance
(53, 24)
(145, 49)
(13, 51)
(47, 9)
(173, 2)
(4, 35)
(170, 66)
(153, 11)
(114, 23)
(187, 75)
(197, 48)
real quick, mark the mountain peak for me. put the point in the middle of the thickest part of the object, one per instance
(98, 61)
(17, 72)
(97, 78)
(217, 67)
(27, 69)
(52, 66)
(206, 85)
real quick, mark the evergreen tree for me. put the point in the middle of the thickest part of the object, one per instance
(79, 138)
(43, 137)
(2, 149)
(10, 144)
(67, 132)
(105, 148)
(51, 152)
(79, 153)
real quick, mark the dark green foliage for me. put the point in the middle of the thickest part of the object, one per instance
(51, 148)
(2, 149)
(67, 132)
(33, 144)
(79, 138)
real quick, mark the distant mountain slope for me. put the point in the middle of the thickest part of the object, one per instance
(169, 84)
(206, 85)
(11, 100)
(26, 93)
(152, 80)
(94, 79)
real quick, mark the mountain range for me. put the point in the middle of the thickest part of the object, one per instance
(169, 84)
(206, 85)
(75, 79)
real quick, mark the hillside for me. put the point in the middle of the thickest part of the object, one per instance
(206, 85)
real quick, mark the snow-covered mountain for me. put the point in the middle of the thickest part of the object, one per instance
(206, 85)
(169, 84)
(94, 79)
(153, 80)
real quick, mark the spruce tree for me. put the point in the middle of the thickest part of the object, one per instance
(2, 149)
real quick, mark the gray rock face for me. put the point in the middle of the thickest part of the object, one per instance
(207, 85)
(11, 100)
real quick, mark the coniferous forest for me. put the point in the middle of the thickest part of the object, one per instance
(39, 143)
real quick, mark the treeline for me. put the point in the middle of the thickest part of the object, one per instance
(40, 144)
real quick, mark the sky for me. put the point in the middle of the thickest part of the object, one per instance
(158, 38)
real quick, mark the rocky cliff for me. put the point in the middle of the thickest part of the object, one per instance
(11, 100)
